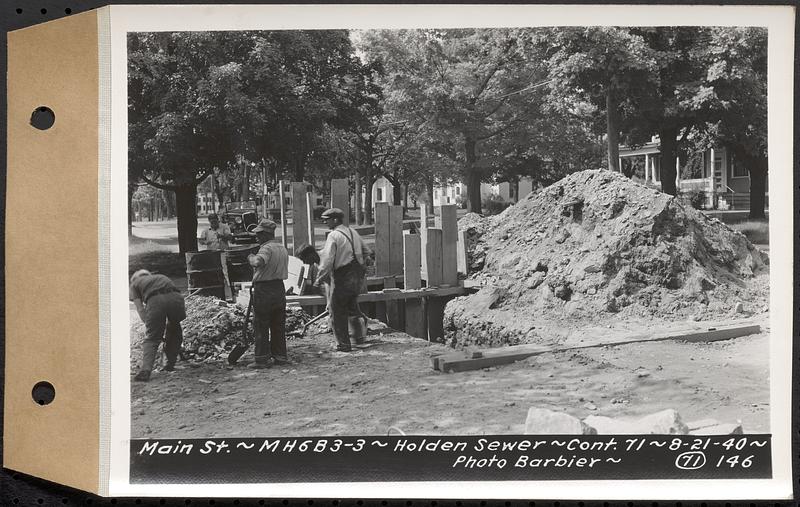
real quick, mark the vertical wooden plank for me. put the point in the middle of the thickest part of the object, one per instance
(448, 222)
(433, 254)
(463, 265)
(392, 307)
(415, 318)
(340, 197)
(423, 235)
(223, 259)
(299, 221)
(395, 240)
(434, 309)
(310, 218)
(284, 231)
(411, 261)
(382, 256)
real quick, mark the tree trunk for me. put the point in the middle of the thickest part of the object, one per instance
(612, 130)
(185, 202)
(473, 176)
(429, 191)
(758, 186)
(405, 199)
(131, 190)
(357, 199)
(397, 192)
(369, 177)
(669, 155)
(246, 182)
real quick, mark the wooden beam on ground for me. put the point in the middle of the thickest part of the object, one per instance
(284, 230)
(310, 218)
(447, 221)
(395, 240)
(299, 220)
(463, 265)
(411, 261)
(382, 256)
(340, 197)
(505, 355)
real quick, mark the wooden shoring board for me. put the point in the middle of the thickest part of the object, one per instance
(434, 313)
(463, 265)
(448, 222)
(393, 311)
(423, 236)
(299, 220)
(340, 197)
(412, 278)
(493, 357)
(382, 239)
(310, 218)
(395, 240)
(433, 255)
(284, 230)
(415, 318)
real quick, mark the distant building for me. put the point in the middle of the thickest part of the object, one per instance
(714, 171)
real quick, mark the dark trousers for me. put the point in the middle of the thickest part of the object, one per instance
(345, 287)
(164, 312)
(269, 320)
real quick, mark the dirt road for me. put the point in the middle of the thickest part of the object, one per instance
(391, 384)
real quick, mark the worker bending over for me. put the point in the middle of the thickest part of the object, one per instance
(271, 268)
(343, 262)
(161, 307)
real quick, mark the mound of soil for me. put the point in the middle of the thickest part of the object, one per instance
(211, 329)
(596, 246)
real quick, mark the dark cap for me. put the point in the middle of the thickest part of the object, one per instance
(213, 216)
(333, 213)
(265, 225)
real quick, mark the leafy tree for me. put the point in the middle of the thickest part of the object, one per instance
(606, 66)
(471, 87)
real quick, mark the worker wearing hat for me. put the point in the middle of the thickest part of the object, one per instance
(271, 268)
(343, 261)
(161, 307)
(216, 237)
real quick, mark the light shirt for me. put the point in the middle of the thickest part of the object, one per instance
(276, 262)
(338, 252)
(213, 238)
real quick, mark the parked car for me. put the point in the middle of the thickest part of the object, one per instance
(242, 218)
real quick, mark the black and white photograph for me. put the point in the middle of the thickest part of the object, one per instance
(449, 232)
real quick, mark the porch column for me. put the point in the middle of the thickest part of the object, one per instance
(678, 172)
(646, 167)
(620, 164)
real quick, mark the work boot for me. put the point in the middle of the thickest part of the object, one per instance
(142, 376)
(281, 362)
(258, 366)
(342, 348)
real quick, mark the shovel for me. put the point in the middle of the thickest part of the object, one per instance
(239, 350)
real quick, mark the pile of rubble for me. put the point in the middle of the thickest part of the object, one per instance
(541, 421)
(212, 328)
(597, 245)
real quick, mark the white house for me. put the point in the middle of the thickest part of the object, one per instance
(715, 171)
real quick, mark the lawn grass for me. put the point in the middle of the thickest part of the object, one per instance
(155, 258)
(757, 231)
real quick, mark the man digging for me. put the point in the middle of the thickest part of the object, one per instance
(342, 261)
(161, 307)
(271, 265)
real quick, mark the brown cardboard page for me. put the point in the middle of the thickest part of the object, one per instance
(52, 253)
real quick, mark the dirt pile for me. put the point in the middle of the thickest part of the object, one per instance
(212, 328)
(597, 246)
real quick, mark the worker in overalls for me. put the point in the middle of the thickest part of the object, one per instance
(161, 307)
(343, 262)
(271, 268)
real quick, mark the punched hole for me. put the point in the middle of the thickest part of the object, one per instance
(44, 11)
(67, 11)
(43, 393)
(19, 11)
(43, 118)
